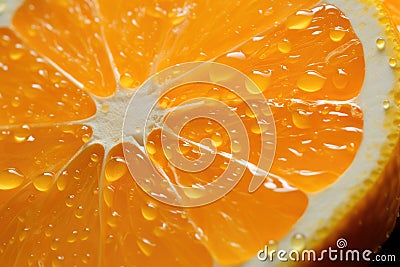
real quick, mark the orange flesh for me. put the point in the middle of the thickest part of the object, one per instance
(394, 8)
(138, 230)
(58, 226)
(77, 45)
(32, 91)
(310, 93)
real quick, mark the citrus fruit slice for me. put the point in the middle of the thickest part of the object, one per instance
(86, 177)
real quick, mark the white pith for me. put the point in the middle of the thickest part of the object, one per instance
(379, 80)
(109, 118)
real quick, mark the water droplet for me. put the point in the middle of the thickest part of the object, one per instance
(32, 31)
(300, 20)
(21, 134)
(325, 111)
(86, 138)
(79, 212)
(12, 240)
(356, 112)
(76, 106)
(112, 220)
(284, 46)
(43, 181)
(351, 147)
(236, 147)
(337, 34)
(209, 128)
(216, 139)
(236, 55)
(108, 195)
(62, 181)
(185, 148)
(255, 128)
(72, 237)
(94, 157)
(15, 102)
(16, 53)
(145, 246)
(218, 74)
(115, 169)
(85, 234)
(96, 213)
(301, 120)
(48, 230)
(23, 234)
(298, 242)
(164, 102)
(311, 81)
(70, 201)
(386, 104)
(11, 179)
(76, 174)
(249, 113)
(54, 244)
(380, 43)
(176, 20)
(57, 261)
(105, 108)
(340, 79)
(151, 148)
(149, 212)
(393, 62)
(86, 258)
(261, 79)
(193, 193)
(126, 80)
(214, 93)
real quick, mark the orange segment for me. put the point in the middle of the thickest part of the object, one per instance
(320, 60)
(58, 226)
(68, 32)
(316, 143)
(139, 231)
(142, 35)
(30, 154)
(312, 135)
(32, 91)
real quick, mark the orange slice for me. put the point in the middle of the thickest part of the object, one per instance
(79, 79)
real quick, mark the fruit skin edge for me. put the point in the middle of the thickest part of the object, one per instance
(362, 225)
